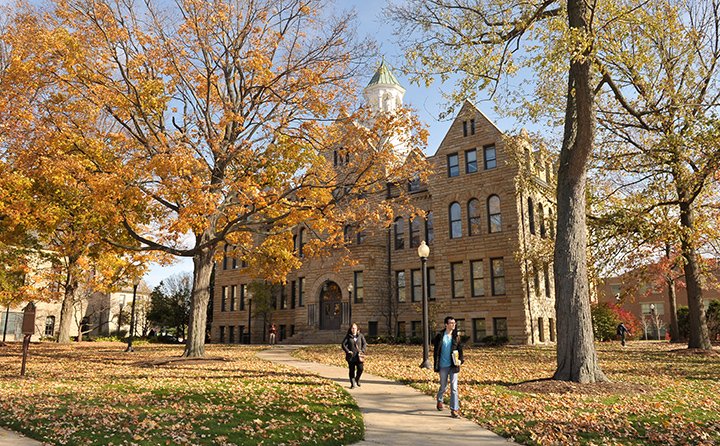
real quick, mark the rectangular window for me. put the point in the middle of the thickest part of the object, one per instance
(416, 284)
(431, 283)
(400, 333)
(453, 165)
(477, 276)
(471, 161)
(400, 282)
(416, 329)
(415, 224)
(243, 294)
(546, 269)
(231, 334)
(458, 284)
(472, 126)
(241, 334)
(223, 298)
(282, 334)
(497, 273)
(541, 329)
(225, 258)
(283, 298)
(536, 281)
(647, 310)
(460, 326)
(293, 293)
(358, 287)
(234, 263)
(479, 331)
(490, 157)
(233, 298)
(551, 329)
(372, 328)
(500, 327)
(222, 334)
(465, 128)
(301, 291)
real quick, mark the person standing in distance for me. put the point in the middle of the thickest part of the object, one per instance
(354, 346)
(447, 358)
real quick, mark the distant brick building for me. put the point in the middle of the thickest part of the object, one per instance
(643, 296)
(478, 225)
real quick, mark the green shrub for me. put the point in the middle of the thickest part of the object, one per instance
(605, 322)
(108, 339)
(494, 341)
(683, 317)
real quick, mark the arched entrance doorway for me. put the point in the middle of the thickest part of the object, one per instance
(330, 306)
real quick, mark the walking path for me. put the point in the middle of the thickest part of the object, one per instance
(9, 438)
(395, 414)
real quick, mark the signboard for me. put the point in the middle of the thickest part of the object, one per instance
(28, 325)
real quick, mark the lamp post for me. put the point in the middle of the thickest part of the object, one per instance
(653, 314)
(350, 290)
(132, 318)
(249, 332)
(423, 253)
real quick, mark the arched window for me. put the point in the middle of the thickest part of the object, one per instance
(415, 232)
(455, 221)
(552, 223)
(531, 216)
(429, 228)
(474, 223)
(399, 228)
(494, 215)
(541, 216)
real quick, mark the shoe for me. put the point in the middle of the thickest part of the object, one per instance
(439, 405)
(357, 383)
(454, 414)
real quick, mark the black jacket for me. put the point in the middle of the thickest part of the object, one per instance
(437, 347)
(352, 348)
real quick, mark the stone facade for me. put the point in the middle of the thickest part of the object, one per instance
(478, 278)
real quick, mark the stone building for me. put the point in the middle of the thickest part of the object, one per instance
(479, 228)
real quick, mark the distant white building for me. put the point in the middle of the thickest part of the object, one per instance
(101, 314)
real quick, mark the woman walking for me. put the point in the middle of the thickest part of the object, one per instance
(354, 346)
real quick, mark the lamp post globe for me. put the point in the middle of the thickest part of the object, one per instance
(350, 290)
(424, 253)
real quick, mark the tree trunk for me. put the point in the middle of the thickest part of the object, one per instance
(576, 356)
(66, 315)
(699, 335)
(203, 266)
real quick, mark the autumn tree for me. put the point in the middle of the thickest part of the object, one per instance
(219, 124)
(662, 138)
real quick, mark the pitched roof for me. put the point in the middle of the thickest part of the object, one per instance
(383, 76)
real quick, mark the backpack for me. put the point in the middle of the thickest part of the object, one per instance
(620, 329)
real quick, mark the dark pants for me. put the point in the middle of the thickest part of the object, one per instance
(622, 339)
(356, 369)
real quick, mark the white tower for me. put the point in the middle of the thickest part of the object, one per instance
(384, 93)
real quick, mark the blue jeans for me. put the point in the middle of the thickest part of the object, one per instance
(445, 373)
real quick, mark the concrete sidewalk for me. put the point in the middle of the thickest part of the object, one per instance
(395, 414)
(9, 438)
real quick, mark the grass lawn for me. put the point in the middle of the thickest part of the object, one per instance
(658, 396)
(96, 394)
